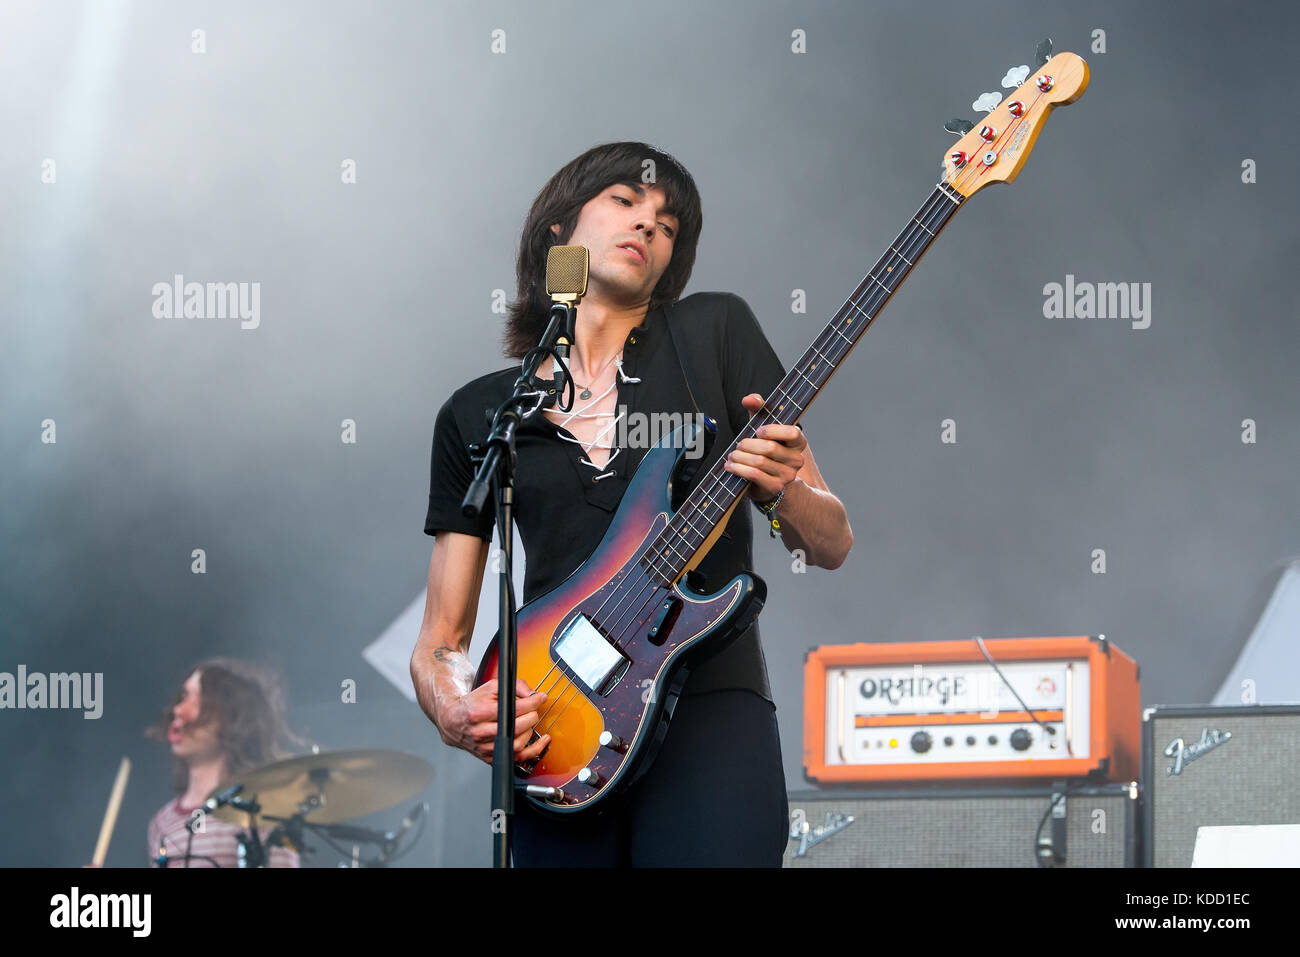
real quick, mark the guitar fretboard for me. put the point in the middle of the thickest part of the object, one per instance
(667, 557)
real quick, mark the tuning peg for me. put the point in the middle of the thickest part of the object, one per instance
(959, 127)
(1042, 52)
(1015, 76)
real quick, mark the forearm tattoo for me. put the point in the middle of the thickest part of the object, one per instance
(459, 668)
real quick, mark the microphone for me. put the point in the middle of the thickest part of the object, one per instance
(566, 284)
(222, 797)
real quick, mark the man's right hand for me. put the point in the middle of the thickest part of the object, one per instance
(470, 722)
(443, 677)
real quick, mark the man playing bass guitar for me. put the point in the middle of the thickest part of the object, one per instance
(715, 794)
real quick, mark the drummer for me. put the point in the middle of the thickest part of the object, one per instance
(227, 717)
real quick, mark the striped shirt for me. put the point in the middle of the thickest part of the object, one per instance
(168, 835)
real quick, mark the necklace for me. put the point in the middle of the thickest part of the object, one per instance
(586, 390)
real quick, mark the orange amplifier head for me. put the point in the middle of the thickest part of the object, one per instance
(938, 710)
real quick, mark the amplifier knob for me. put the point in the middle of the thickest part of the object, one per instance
(1021, 739)
(921, 742)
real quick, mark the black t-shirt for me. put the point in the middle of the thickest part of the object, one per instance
(563, 506)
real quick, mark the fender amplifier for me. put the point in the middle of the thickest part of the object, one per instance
(1216, 767)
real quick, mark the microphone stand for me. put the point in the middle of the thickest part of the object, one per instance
(497, 468)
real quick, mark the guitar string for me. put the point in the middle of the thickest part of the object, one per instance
(722, 479)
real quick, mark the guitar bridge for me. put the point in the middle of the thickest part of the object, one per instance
(525, 768)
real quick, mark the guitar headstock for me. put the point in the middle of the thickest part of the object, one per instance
(994, 149)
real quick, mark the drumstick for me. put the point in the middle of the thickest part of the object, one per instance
(110, 815)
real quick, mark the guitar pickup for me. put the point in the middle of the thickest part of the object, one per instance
(587, 653)
(664, 619)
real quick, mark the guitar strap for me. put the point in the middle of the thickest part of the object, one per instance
(688, 468)
(688, 472)
(681, 354)
(681, 357)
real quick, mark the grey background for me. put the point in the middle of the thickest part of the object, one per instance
(376, 303)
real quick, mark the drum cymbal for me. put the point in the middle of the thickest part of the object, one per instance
(335, 785)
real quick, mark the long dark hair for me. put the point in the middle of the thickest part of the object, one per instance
(247, 701)
(562, 199)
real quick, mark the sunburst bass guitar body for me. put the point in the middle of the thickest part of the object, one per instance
(612, 646)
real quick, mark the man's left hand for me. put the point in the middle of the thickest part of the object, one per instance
(771, 460)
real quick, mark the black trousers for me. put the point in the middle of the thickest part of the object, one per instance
(714, 797)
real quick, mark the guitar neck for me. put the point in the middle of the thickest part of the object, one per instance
(670, 554)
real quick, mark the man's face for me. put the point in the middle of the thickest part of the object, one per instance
(190, 741)
(619, 216)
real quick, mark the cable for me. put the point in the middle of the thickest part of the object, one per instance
(1043, 820)
(424, 820)
(562, 369)
(1048, 728)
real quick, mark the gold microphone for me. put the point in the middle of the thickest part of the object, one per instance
(566, 284)
(566, 273)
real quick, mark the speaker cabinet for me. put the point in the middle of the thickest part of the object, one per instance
(1091, 826)
(1205, 766)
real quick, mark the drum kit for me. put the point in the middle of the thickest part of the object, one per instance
(318, 794)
